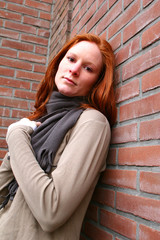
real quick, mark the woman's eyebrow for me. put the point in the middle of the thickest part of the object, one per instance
(87, 61)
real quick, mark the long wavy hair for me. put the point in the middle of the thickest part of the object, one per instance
(100, 97)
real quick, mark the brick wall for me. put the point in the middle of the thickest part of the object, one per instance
(24, 31)
(126, 202)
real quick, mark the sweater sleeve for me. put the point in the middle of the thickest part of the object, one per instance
(6, 176)
(54, 199)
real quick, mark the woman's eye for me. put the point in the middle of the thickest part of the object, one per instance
(71, 59)
(89, 69)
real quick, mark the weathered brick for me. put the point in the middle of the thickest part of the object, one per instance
(104, 196)
(150, 130)
(148, 233)
(96, 233)
(127, 91)
(141, 63)
(120, 178)
(17, 45)
(124, 134)
(118, 223)
(143, 107)
(139, 156)
(141, 21)
(124, 19)
(151, 35)
(151, 80)
(149, 182)
(143, 207)
(22, 9)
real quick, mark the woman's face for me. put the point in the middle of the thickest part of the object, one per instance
(79, 70)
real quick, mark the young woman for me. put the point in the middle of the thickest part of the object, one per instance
(56, 155)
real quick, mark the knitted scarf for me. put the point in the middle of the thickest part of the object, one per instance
(62, 114)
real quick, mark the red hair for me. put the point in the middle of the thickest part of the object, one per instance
(101, 96)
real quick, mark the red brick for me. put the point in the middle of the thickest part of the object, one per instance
(20, 27)
(151, 35)
(17, 45)
(141, 21)
(10, 15)
(127, 3)
(14, 83)
(35, 86)
(46, 16)
(151, 80)
(24, 94)
(5, 91)
(146, 2)
(124, 19)
(149, 182)
(141, 63)
(147, 233)
(96, 233)
(5, 122)
(39, 68)
(17, 1)
(111, 158)
(127, 91)
(104, 196)
(38, 5)
(119, 224)
(92, 212)
(143, 107)
(2, 4)
(120, 178)
(9, 34)
(117, 77)
(115, 42)
(36, 22)
(111, 2)
(15, 64)
(29, 75)
(98, 15)
(88, 15)
(150, 130)
(48, 1)
(41, 50)
(22, 9)
(6, 72)
(124, 134)
(43, 33)
(8, 52)
(1, 22)
(20, 114)
(14, 103)
(34, 39)
(146, 208)
(139, 156)
(127, 51)
(3, 143)
(110, 16)
(2, 154)
(4, 112)
(32, 57)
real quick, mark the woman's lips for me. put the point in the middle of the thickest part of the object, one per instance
(70, 80)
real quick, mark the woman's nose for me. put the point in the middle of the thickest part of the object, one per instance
(75, 69)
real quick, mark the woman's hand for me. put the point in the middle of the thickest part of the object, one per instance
(25, 122)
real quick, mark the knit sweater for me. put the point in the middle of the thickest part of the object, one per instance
(52, 207)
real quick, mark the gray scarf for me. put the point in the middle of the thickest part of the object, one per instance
(62, 114)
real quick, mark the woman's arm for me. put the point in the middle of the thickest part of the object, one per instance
(6, 176)
(53, 200)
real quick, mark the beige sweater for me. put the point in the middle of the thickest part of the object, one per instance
(53, 207)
